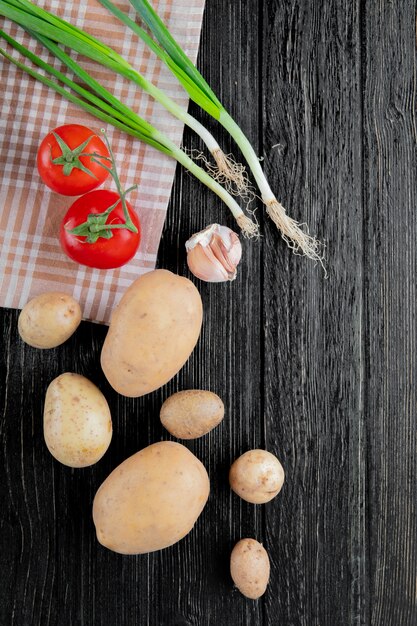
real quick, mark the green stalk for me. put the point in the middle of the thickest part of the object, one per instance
(122, 194)
(64, 34)
(200, 92)
(132, 124)
(118, 109)
(66, 26)
(172, 48)
(227, 170)
(97, 112)
(209, 105)
(44, 24)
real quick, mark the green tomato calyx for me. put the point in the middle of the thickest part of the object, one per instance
(70, 159)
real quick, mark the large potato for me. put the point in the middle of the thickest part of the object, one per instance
(191, 413)
(152, 500)
(249, 568)
(49, 319)
(257, 476)
(152, 333)
(77, 423)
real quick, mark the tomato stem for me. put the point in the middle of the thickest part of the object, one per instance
(96, 225)
(113, 173)
(96, 228)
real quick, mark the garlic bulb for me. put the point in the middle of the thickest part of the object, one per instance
(214, 253)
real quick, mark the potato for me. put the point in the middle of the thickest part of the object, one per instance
(249, 568)
(49, 319)
(257, 476)
(193, 413)
(152, 333)
(152, 500)
(77, 423)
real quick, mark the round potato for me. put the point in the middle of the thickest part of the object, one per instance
(257, 476)
(152, 500)
(152, 333)
(191, 414)
(49, 319)
(77, 423)
(249, 568)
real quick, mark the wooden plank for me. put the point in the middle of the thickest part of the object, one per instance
(313, 360)
(390, 264)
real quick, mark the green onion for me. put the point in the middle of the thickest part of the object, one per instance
(201, 93)
(230, 173)
(44, 24)
(106, 107)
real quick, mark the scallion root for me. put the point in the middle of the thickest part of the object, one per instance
(231, 173)
(227, 172)
(297, 240)
(249, 228)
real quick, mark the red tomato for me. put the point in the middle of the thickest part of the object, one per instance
(104, 253)
(69, 174)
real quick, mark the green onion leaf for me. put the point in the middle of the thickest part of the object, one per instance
(168, 43)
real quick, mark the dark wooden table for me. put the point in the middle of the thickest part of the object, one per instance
(320, 371)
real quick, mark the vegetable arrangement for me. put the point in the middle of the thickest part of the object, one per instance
(49, 30)
(93, 97)
(202, 94)
(154, 498)
(100, 229)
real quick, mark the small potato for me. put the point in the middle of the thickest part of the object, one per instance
(49, 319)
(152, 500)
(77, 423)
(191, 414)
(249, 568)
(257, 476)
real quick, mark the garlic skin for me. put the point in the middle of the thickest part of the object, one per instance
(214, 253)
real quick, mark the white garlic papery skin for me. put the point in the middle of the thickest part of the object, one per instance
(214, 253)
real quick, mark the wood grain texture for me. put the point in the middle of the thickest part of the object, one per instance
(320, 371)
(313, 364)
(390, 302)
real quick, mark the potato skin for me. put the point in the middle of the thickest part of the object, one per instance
(250, 568)
(49, 319)
(152, 333)
(257, 476)
(77, 421)
(192, 413)
(152, 500)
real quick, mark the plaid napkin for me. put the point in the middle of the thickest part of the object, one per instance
(31, 260)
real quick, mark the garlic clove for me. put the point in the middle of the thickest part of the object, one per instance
(203, 264)
(229, 255)
(214, 253)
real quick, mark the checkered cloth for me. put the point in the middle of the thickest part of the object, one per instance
(31, 260)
